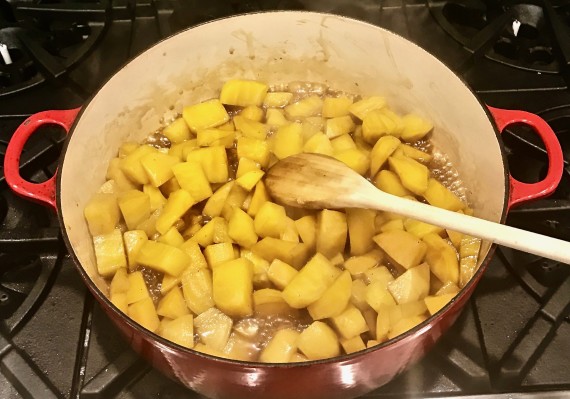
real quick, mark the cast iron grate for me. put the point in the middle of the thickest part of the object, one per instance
(46, 38)
(526, 34)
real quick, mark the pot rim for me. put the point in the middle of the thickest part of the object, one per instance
(417, 330)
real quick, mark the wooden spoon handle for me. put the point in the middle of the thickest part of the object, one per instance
(511, 237)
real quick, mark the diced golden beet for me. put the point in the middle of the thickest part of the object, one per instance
(361, 229)
(371, 316)
(246, 165)
(177, 204)
(378, 296)
(350, 322)
(215, 137)
(334, 300)
(144, 313)
(411, 286)
(156, 198)
(158, 167)
(361, 108)
(241, 228)
(394, 122)
(358, 294)
(132, 166)
(396, 224)
(259, 197)
(308, 106)
(337, 260)
(404, 325)
(109, 187)
(288, 140)
(353, 344)
(254, 149)
(382, 150)
(331, 232)
(319, 143)
(343, 142)
(205, 115)
(135, 207)
(172, 305)
(442, 258)
(178, 131)
(402, 247)
(318, 341)
(447, 288)
(455, 237)
(336, 106)
(354, 158)
(280, 273)
(217, 254)
(307, 229)
(149, 225)
(277, 99)
(390, 183)
(216, 202)
(213, 232)
(380, 274)
(133, 240)
(383, 324)
(438, 195)
(235, 199)
(192, 249)
(311, 282)
(169, 187)
(413, 175)
(281, 347)
(229, 126)
(336, 127)
(275, 118)
(270, 220)
(200, 347)
(120, 301)
(270, 248)
(163, 258)
(126, 148)
(120, 282)
(137, 287)
(168, 282)
(240, 347)
(253, 112)
(250, 128)
(415, 128)
(182, 149)
(192, 178)
(437, 302)
(102, 214)
(214, 162)
(371, 342)
(109, 252)
(197, 289)
(171, 237)
(357, 265)
(233, 287)
(375, 125)
(180, 331)
(115, 173)
(420, 229)
(270, 302)
(290, 233)
(250, 179)
(214, 328)
(243, 92)
(260, 268)
(414, 153)
(469, 252)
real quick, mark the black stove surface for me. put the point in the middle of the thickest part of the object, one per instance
(513, 338)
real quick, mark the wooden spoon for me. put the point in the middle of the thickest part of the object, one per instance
(318, 182)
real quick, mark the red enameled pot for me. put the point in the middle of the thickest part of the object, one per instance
(280, 47)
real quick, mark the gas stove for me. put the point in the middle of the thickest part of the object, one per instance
(513, 338)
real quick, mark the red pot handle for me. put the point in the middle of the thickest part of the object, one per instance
(521, 192)
(44, 193)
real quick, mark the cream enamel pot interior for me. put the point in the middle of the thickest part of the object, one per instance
(279, 47)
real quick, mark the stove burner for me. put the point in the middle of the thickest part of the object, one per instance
(524, 34)
(46, 38)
